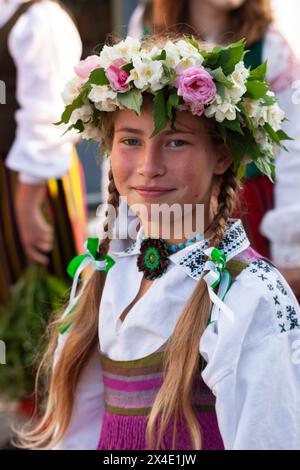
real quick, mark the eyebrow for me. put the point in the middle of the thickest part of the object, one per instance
(132, 130)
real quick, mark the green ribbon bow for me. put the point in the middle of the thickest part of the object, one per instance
(79, 263)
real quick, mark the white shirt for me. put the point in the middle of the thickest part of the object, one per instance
(45, 46)
(253, 366)
(280, 225)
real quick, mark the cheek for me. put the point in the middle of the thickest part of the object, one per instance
(122, 168)
(195, 169)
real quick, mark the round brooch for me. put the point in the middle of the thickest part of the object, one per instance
(153, 258)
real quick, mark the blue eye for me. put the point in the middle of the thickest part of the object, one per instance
(178, 143)
(131, 142)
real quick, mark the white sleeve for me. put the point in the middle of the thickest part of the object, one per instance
(253, 364)
(84, 429)
(45, 46)
(282, 224)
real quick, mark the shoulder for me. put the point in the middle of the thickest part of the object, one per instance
(261, 291)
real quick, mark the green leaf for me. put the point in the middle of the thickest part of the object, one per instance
(266, 166)
(96, 116)
(256, 89)
(259, 73)
(161, 56)
(220, 90)
(268, 100)
(159, 112)
(98, 77)
(231, 55)
(79, 125)
(241, 172)
(211, 58)
(220, 77)
(172, 104)
(242, 146)
(283, 136)
(272, 133)
(77, 103)
(132, 99)
(233, 125)
(194, 42)
(248, 120)
(170, 73)
(127, 67)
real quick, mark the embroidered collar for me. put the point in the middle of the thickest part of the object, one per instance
(192, 258)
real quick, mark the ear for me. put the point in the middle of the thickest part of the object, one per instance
(224, 160)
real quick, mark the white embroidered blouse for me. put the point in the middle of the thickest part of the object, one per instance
(253, 362)
(45, 46)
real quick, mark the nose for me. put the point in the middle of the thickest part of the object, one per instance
(151, 162)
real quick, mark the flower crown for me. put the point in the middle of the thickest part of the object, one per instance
(181, 76)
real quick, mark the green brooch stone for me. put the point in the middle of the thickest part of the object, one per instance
(153, 258)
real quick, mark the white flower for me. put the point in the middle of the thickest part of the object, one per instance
(275, 116)
(100, 93)
(172, 55)
(104, 98)
(107, 105)
(256, 111)
(221, 109)
(261, 138)
(84, 113)
(128, 48)
(187, 63)
(146, 73)
(240, 74)
(186, 50)
(71, 90)
(234, 94)
(260, 114)
(123, 50)
(91, 132)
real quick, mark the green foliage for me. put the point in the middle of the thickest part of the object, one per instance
(98, 77)
(159, 112)
(132, 99)
(22, 327)
(225, 57)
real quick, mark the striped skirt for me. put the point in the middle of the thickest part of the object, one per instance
(64, 208)
(130, 388)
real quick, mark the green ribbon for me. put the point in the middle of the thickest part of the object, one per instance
(79, 263)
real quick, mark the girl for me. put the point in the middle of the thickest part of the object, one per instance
(175, 342)
(268, 211)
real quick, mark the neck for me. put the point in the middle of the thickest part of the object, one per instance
(209, 20)
(174, 232)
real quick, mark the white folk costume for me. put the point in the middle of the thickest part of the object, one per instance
(252, 362)
(39, 48)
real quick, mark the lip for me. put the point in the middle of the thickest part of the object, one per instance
(152, 191)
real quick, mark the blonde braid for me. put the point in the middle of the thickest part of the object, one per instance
(227, 201)
(112, 199)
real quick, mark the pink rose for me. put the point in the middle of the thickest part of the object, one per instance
(197, 109)
(117, 76)
(86, 66)
(196, 86)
